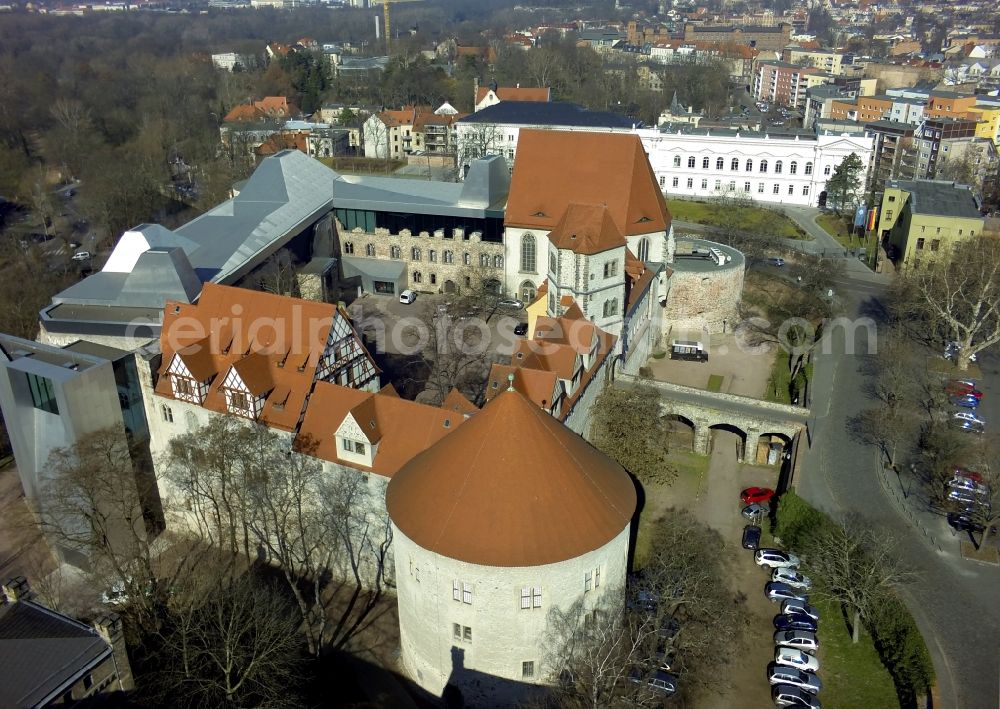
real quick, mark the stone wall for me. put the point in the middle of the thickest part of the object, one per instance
(465, 252)
(704, 301)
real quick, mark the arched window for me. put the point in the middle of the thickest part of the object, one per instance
(553, 262)
(777, 167)
(610, 307)
(370, 250)
(498, 261)
(763, 165)
(735, 164)
(643, 249)
(527, 291)
(691, 161)
(418, 277)
(677, 160)
(467, 258)
(484, 260)
(749, 165)
(434, 279)
(719, 163)
(393, 252)
(809, 168)
(448, 257)
(528, 253)
(348, 247)
(704, 163)
(793, 167)
(415, 253)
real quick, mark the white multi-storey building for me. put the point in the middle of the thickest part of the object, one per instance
(785, 169)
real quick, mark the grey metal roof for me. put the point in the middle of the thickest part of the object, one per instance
(773, 133)
(939, 198)
(485, 188)
(547, 113)
(41, 652)
(375, 268)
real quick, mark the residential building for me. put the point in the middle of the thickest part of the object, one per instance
(989, 122)
(496, 526)
(787, 168)
(819, 102)
(397, 134)
(50, 659)
(922, 219)
(231, 61)
(934, 138)
(822, 59)
(269, 107)
(491, 95)
(495, 130)
(862, 109)
(894, 155)
(785, 84)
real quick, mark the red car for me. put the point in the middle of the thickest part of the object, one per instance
(962, 387)
(756, 494)
(969, 475)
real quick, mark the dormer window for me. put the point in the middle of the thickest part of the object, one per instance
(351, 446)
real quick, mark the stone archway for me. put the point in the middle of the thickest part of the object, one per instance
(681, 432)
(449, 286)
(526, 291)
(727, 428)
(764, 443)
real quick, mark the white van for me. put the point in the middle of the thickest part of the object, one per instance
(689, 350)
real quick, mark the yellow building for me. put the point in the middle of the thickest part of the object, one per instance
(922, 219)
(822, 59)
(989, 124)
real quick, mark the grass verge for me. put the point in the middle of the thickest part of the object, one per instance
(752, 219)
(715, 382)
(691, 469)
(853, 675)
(778, 389)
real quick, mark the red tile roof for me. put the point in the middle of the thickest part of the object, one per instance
(516, 93)
(511, 487)
(586, 229)
(553, 169)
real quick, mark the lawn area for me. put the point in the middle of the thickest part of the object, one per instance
(362, 165)
(945, 367)
(853, 675)
(841, 229)
(777, 389)
(715, 382)
(753, 219)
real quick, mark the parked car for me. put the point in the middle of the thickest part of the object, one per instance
(786, 695)
(966, 498)
(756, 494)
(968, 416)
(81, 256)
(970, 474)
(795, 622)
(799, 608)
(965, 401)
(777, 591)
(756, 510)
(116, 595)
(783, 674)
(790, 657)
(961, 387)
(962, 483)
(510, 303)
(963, 522)
(660, 681)
(965, 426)
(790, 576)
(799, 639)
(776, 261)
(751, 537)
(952, 349)
(775, 558)
(521, 329)
(407, 296)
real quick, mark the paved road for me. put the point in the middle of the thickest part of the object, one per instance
(956, 603)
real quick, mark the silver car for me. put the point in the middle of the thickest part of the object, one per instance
(782, 674)
(793, 607)
(799, 639)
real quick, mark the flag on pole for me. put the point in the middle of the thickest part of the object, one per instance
(872, 213)
(859, 218)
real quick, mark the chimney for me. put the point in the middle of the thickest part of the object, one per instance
(475, 91)
(109, 627)
(16, 589)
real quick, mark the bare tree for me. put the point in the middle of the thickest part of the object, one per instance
(275, 275)
(629, 425)
(956, 296)
(232, 640)
(98, 504)
(856, 565)
(477, 140)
